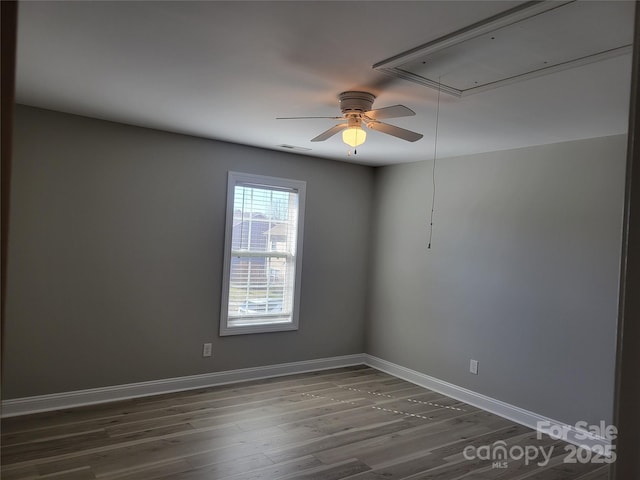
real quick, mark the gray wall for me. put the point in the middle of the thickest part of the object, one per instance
(116, 253)
(522, 275)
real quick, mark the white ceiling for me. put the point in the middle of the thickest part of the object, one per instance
(225, 70)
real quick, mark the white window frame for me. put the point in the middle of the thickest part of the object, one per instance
(235, 179)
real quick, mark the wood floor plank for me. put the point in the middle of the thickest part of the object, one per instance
(459, 467)
(403, 465)
(331, 472)
(117, 409)
(316, 409)
(278, 470)
(162, 469)
(79, 474)
(340, 441)
(141, 420)
(600, 474)
(220, 469)
(219, 445)
(561, 471)
(25, 472)
(58, 446)
(423, 460)
(410, 431)
(353, 423)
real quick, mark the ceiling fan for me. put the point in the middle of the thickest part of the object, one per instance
(356, 112)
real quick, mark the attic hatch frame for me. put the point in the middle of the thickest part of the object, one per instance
(392, 66)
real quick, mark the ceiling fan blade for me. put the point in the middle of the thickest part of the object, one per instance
(329, 133)
(407, 135)
(393, 111)
(305, 118)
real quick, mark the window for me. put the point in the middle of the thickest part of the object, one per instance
(263, 253)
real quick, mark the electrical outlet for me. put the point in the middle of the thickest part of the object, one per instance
(206, 350)
(473, 367)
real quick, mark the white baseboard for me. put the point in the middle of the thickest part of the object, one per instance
(58, 401)
(519, 415)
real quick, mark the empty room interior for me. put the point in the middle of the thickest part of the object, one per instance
(315, 240)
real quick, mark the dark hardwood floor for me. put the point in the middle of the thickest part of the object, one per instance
(352, 423)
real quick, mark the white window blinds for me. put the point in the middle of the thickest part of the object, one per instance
(262, 254)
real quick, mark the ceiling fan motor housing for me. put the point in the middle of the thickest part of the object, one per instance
(355, 102)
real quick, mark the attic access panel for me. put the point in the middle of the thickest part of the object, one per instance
(533, 39)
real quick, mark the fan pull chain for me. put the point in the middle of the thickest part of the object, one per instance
(433, 171)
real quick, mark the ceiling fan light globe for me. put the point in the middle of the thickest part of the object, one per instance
(354, 136)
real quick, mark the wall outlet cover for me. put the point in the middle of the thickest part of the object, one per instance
(473, 367)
